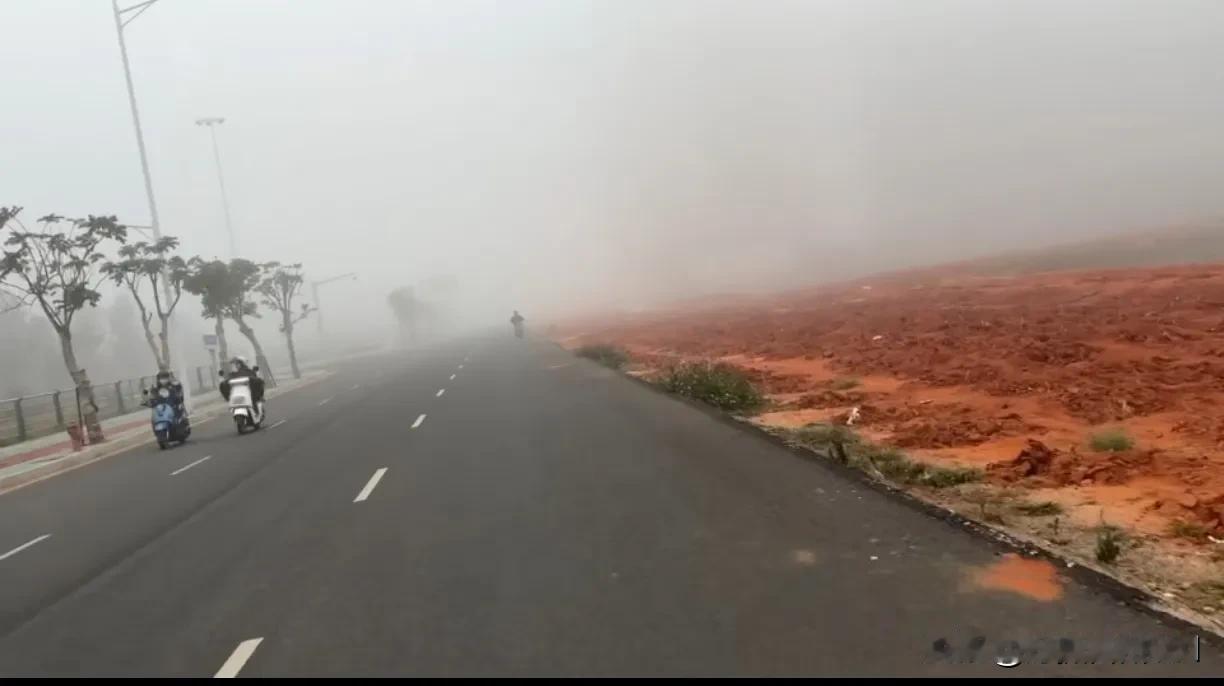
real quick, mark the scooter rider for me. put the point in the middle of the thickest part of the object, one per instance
(167, 381)
(240, 370)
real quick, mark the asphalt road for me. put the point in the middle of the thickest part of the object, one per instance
(546, 517)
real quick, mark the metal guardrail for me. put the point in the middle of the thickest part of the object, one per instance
(34, 416)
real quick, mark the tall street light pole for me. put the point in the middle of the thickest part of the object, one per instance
(314, 288)
(212, 123)
(123, 17)
(120, 23)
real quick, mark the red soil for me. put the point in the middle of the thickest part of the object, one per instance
(1035, 579)
(967, 369)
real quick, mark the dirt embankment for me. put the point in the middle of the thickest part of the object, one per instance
(1013, 375)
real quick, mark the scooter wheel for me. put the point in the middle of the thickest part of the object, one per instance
(163, 445)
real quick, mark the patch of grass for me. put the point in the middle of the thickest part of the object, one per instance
(824, 435)
(945, 477)
(897, 466)
(892, 463)
(988, 500)
(1206, 593)
(1189, 530)
(608, 355)
(849, 448)
(1043, 509)
(1111, 441)
(718, 384)
(1109, 543)
(844, 383)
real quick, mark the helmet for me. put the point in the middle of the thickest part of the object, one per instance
(239, 359)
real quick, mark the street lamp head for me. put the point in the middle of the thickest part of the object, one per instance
(210, 121)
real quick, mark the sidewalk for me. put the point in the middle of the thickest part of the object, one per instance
(41, 458)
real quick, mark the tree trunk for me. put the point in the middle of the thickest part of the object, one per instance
(260, 359)
(297, 374)
(222, 344)
(164, 338)
(152, 341)
(85, 395)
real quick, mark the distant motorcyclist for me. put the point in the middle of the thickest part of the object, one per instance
(517, 321)
(240, 369)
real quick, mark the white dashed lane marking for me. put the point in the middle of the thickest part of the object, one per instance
(180, 470)
(369, 487)
(23, 546)
(238, 659)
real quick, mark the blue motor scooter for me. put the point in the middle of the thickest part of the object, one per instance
(170, 422)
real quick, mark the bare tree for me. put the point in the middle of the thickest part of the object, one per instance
(144, 268)
(58, 268)
(281, 285)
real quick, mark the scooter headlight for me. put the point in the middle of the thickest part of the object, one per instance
(164, 392)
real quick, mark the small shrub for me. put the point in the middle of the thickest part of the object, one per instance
(1111, 441)
(1044, 509)
(1189, 530)
(844, 383)
(717, 384)
(607, 355)
(1108, 544)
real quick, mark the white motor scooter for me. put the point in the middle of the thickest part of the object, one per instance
(247, 416)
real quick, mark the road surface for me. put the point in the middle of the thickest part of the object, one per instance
(497, 507)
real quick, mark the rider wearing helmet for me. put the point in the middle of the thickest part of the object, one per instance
(165, 380)
(240, 370)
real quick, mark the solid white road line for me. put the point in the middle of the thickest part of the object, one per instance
(238, 658)
(452, 377)
(278, 423)
(369, 487)
(419, 421)
(355, 387)
(23, 546)
(324, 402)
(461, 366)
(180, 470)
(440, 392)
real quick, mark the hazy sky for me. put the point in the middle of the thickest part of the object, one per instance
(544, 151)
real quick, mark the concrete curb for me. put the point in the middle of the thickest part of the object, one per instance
(1081, 571)
(126, 443)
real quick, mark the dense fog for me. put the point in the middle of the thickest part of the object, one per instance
(568, 155)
